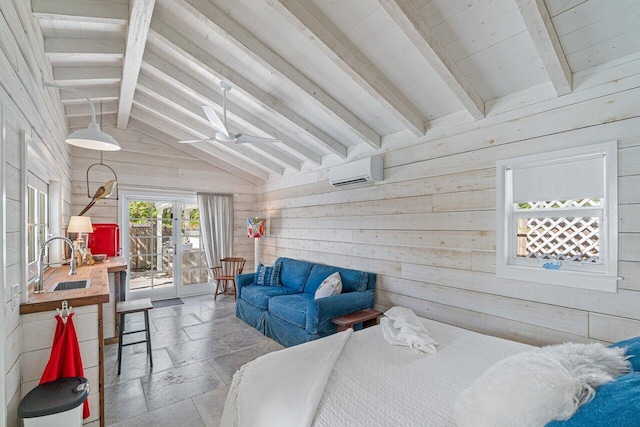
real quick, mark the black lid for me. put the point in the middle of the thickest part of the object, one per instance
(54, 397)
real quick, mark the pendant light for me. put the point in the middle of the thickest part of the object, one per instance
(92, 137)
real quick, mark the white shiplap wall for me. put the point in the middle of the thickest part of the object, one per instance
(428, 230)
(27, 107)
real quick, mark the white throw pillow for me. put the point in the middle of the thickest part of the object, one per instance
(533, 388)
(332, 285)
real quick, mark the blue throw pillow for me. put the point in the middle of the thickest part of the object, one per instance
(263, 276)
(617, 403)
(632, 346)
(275, 275)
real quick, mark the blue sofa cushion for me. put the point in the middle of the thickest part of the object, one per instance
(259, 295)
(616, 403)
(265, 276)
(352, 280)
(293, 273)
(632, 347)
(292, 308)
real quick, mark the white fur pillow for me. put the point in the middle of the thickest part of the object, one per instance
(538, 386)
(332, 285)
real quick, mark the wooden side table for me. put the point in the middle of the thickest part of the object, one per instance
(367, 317)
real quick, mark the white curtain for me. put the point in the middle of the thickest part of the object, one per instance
(216, 223)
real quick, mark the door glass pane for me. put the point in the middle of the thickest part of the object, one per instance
(194, 262)
(151, 247)
(31, 224)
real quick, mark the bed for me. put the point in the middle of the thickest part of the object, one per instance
(354, 379)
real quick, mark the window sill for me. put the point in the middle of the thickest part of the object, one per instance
(572, 279)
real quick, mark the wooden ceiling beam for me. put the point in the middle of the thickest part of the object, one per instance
(173, 75)
(79, 110)
(167, 38)
(97, 11)
(226, 161)
(545, 39)
(320, 31)
(227, 28)
(162, 93)
(59, 49)
(95, 94)
(139, 21)
(87, 76)
(201, 130)
(169, 140)
(408, 19)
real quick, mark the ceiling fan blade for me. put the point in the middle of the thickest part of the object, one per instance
(249, 139)
(191, 141)
(215, 120)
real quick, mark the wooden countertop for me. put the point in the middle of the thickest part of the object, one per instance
(97, 293)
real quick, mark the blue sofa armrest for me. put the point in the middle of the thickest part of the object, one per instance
(243, 280)
(321, 311)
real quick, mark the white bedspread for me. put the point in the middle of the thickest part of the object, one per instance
(377, 384)
(283, 388)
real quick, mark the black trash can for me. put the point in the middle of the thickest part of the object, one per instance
(55, 404)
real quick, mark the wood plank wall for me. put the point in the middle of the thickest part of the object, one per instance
(27, 107)
(429, 230)
(146, 163)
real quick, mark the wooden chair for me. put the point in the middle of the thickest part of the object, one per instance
(226, 272)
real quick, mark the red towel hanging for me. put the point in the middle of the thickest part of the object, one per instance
(65, 360)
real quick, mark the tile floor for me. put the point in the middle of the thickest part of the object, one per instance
(197, 347)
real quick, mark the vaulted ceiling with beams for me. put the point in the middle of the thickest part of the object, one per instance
(322, 76)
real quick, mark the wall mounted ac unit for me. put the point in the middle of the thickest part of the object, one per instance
(364, 170)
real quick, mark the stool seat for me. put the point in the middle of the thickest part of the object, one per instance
(133, 306)
(129, 307)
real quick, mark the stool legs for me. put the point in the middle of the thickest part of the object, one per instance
(146, 330)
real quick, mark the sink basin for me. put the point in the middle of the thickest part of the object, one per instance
(71, 284)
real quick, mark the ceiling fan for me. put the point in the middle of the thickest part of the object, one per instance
(220, 125)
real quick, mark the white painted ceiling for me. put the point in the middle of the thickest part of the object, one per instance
(324, 76)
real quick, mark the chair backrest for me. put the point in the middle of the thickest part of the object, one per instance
(232, 266)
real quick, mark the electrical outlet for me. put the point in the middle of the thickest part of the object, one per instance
(15, 295)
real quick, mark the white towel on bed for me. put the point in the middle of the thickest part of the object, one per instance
(401, 326)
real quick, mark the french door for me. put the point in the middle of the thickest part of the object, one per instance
(162, 239)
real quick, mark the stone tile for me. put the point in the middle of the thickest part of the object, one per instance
(164, 388)
(183, 413)
(211, 328)
(227, 364)
(194, 351)
(210, 405)
(176, 322)
(136, 366)
(158, 313)
(124, 401)
(194, 308)
(163, 339)
(218, 313)
(111, 351)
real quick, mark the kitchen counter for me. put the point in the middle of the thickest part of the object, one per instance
(87, 303)
(97, 293)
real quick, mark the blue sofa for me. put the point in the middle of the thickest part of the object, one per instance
(288, 312)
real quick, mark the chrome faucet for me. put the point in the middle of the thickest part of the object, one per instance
(39, 285)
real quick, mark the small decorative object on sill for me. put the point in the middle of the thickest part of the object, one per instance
(552, 265)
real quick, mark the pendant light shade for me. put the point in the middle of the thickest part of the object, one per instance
(92, 137)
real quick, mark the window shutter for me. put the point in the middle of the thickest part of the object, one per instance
(559, 180)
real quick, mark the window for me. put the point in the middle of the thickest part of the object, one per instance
(37, 220)
(557, 217)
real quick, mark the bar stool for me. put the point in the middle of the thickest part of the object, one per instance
(134, 306)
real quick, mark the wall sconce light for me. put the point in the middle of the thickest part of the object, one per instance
(92, 137)
(256, 228)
